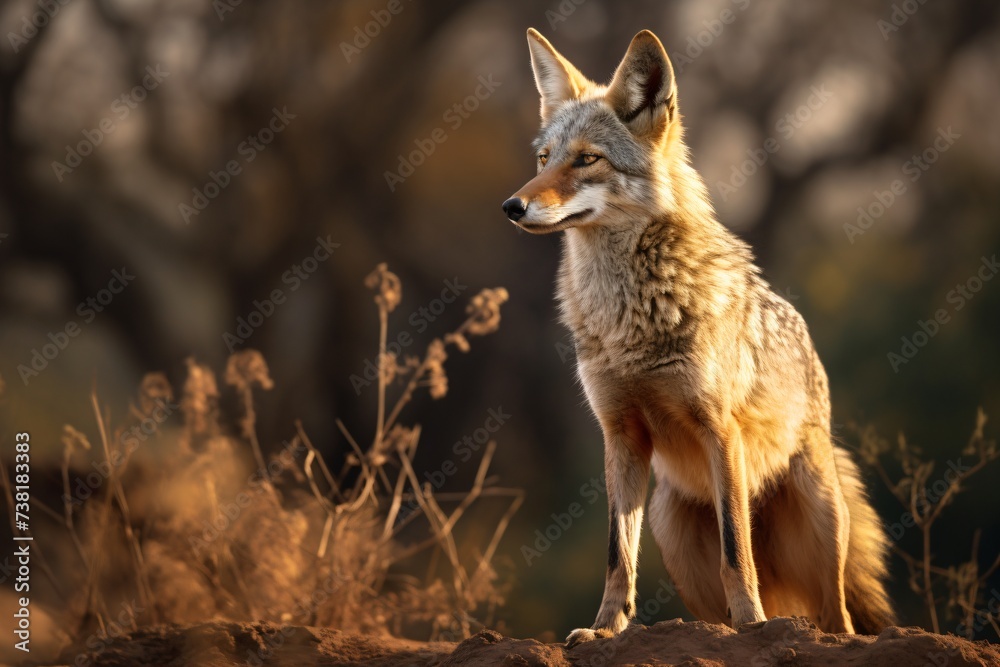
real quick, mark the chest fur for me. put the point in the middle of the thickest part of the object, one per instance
(619, 298)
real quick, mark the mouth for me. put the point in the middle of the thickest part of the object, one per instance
(565, 223)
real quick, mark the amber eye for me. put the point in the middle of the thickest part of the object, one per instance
(586, 159)
(543, 158)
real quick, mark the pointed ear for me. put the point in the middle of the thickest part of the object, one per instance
(643, 92)
(555, 77)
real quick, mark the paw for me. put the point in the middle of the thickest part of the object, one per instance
(749, 626)
(579, 636)
(582, 635)
(749, 617)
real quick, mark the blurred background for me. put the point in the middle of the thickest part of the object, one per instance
(166, 166)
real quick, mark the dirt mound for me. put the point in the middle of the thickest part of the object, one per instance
(780, 641)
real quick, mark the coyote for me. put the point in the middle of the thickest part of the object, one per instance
(693, 367)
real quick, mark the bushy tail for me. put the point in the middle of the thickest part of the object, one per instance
(867, 549)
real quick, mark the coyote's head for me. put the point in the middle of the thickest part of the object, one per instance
(605, 153)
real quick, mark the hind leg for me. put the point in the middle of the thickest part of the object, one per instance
(688, 537)
(808, 536)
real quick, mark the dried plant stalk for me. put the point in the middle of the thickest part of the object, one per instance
(350, 545)
(965, 581)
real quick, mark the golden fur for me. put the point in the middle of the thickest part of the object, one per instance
(695, 369)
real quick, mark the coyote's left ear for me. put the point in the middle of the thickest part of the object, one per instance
(556, 78)
(643, 92)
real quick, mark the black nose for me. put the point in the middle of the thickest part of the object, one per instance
(514, 208)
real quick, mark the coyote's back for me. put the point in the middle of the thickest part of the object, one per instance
(694, 368)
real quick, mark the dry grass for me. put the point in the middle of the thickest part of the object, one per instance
(924, 496)
(195, 523)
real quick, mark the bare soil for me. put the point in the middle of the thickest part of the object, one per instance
(780, 641)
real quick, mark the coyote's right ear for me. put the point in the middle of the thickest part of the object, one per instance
(643, 92)
(555, 77)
